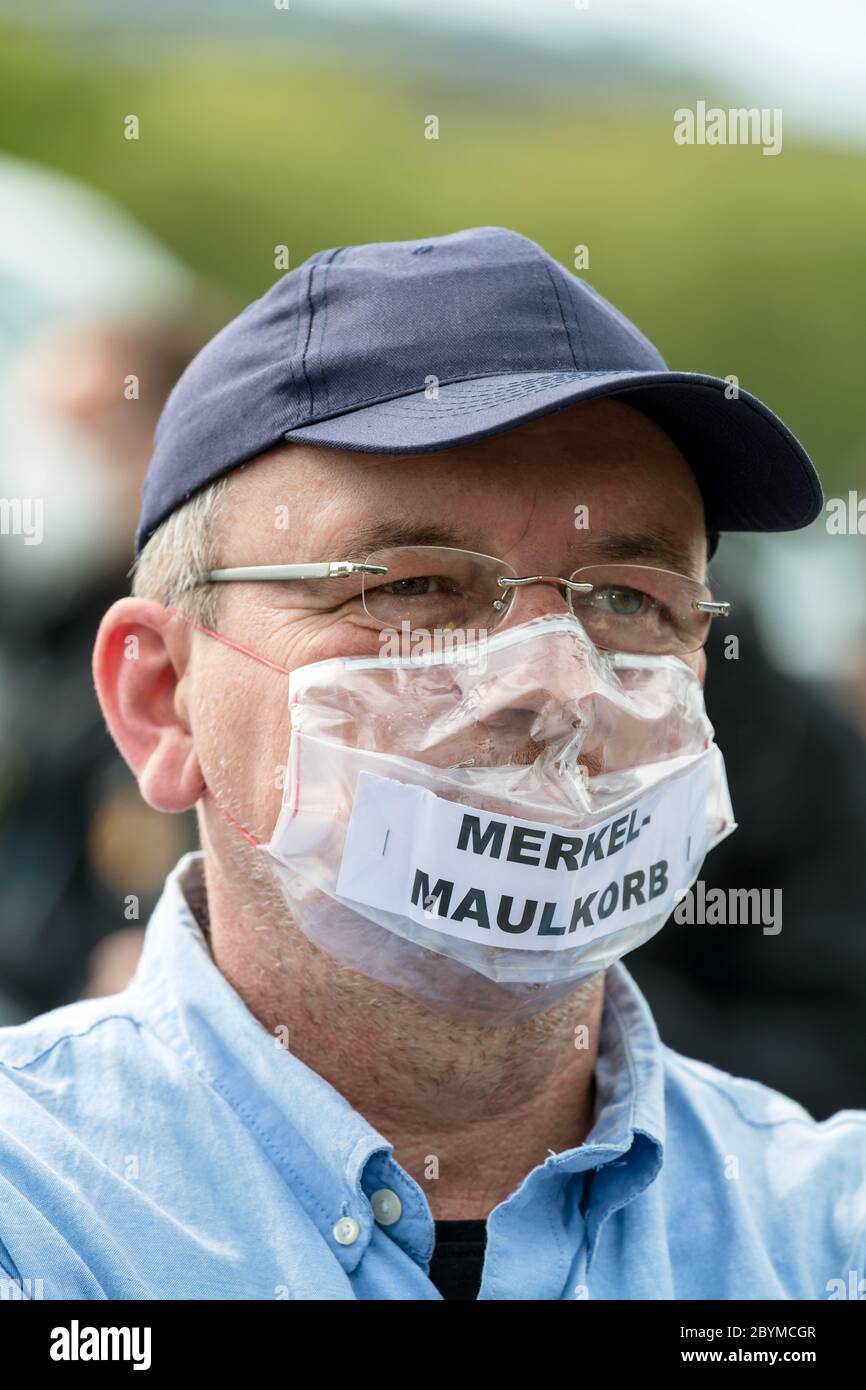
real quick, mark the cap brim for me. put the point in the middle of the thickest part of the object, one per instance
(753, 473)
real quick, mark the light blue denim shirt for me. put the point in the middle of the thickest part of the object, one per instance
(160, 1144)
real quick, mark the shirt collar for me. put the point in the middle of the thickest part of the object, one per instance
(331, 1157)
(625, 1146)
(629, 1074)
(314, 1137)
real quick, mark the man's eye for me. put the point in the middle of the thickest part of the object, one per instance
(417, 587)
(624, 603)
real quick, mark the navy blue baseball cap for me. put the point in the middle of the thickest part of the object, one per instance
(340, 354)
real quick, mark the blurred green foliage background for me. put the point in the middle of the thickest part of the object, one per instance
(730, 260)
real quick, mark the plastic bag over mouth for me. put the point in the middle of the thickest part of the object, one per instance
(485, 827)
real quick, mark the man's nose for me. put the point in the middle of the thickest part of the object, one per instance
(558, 672)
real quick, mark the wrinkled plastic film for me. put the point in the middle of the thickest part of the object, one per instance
(533, 729)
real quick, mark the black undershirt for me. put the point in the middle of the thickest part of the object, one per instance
(458, 1258)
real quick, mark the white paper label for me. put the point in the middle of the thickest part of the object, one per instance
(521, 884)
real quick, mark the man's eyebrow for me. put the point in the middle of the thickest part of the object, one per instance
(655, 547)
(383, 534)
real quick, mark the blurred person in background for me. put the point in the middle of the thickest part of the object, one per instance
(97, 321)
(796, 765)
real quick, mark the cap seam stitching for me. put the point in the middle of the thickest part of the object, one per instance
(325, 307)
(552, 280)
(303, 364)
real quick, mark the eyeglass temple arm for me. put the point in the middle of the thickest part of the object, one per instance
(328, 569)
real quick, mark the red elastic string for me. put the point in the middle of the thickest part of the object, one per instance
(227, 641)
(238, 647)
(231, 820)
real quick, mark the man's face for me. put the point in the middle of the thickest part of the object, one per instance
(513, 496)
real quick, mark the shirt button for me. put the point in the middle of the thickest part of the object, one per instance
(346, 1231)
(387, 1207)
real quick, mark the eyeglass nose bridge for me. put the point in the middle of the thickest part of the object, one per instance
(574, 586)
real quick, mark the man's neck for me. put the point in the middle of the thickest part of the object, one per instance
(470, 1109)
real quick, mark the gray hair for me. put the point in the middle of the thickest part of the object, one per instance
(180, 550)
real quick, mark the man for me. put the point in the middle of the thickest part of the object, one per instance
(262, 1116)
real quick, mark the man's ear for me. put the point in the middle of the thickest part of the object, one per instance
(139, 662)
